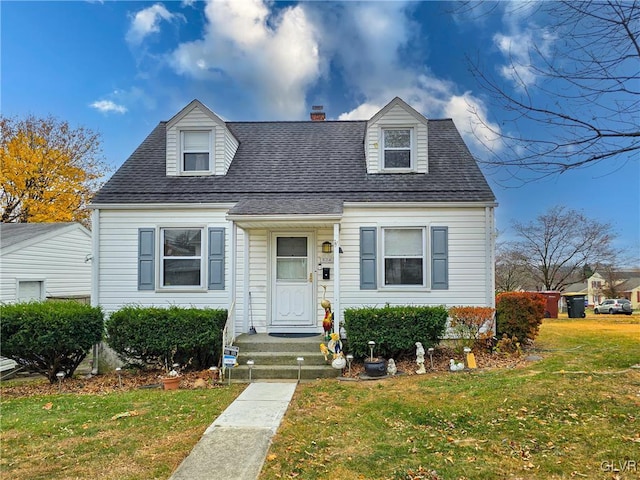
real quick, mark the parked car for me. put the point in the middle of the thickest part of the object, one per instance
(619, 305)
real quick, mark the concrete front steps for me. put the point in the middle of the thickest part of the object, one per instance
(275, 358)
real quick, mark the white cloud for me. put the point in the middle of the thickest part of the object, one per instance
(107, 106)
(146, 22)
(523, 43)
(279, 54)
(435, 98)
(372, 67)
(363, 111)
(274, 57)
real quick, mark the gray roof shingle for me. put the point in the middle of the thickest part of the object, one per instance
(300, 167)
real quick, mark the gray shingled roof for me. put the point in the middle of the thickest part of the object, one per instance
(300, 167)
(14, 233)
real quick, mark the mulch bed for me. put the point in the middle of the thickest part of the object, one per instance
(136, 379)
(441, 357)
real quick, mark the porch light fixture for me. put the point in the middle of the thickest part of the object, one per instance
(327, 247)
(250, 364)
(299, 360)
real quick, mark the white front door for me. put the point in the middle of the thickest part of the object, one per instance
(293, 280)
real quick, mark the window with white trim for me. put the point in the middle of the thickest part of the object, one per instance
(404, 252)
(182, 261)
(397, 148)
(196, 150)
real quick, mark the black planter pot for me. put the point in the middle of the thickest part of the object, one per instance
(376, 367)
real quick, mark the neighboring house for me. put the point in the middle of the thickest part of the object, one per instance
(39, 261)
(595, 286)
(630, 288)
(626, 282)
(260, 217)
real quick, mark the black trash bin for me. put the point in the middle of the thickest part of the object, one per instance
(575, 306)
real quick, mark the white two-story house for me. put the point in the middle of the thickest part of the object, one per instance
(261, 218)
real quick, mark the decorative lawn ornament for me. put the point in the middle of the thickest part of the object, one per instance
(471, 359)
(455, 367)
(420, 358)
(391, 367)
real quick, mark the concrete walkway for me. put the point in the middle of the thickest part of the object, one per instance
(234, 447)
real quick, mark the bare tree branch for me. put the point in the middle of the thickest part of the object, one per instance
(578, 103)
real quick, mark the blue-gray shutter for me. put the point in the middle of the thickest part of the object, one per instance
(216, 259)
(439, 258)
(146, 259)
(368, 277)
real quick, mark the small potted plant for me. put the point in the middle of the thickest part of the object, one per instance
(171, 379)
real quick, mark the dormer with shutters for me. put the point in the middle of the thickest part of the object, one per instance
(198, 143)
(396, 140)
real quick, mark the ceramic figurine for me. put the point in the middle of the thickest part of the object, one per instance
(391, 367)
(455, 367)
(420, 358)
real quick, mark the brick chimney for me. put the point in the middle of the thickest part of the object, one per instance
(317, 115)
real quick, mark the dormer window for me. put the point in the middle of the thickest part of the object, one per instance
(196, 151)
(397, 148)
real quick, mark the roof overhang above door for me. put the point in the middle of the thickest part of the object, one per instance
(284, 221)
(288, 211)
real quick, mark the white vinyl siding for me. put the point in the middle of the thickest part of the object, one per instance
(60, 261)
(397, 118)
(468, 282)
(223, 145)
(470, 260)
(118, 258)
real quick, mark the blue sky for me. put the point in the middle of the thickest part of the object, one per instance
(121, 67)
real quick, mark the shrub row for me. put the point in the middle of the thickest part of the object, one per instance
(50, 337)
(162, 336)
(394, 329)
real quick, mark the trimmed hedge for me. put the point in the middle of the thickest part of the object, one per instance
(519, 314)
(50, 337)
(394, 329)
(151, 335)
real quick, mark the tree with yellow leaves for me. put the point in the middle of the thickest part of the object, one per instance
(48, 170)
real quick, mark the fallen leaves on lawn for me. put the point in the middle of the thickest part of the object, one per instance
(421, 474)
(132, 413)
(103, 384)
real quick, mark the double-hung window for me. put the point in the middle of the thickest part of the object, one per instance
(181, 257)
(196, 150)
(404, 256)
(397, 148)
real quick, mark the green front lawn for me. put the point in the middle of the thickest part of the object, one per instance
(574, 414)
(137, 434)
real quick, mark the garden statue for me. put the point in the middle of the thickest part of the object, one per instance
(420, 358)
(327, 321)
(391, 367)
